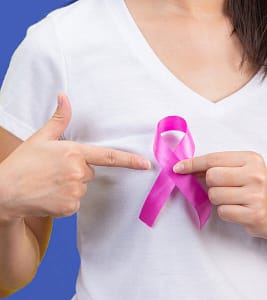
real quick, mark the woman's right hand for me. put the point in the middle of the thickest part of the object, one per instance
(48, 177)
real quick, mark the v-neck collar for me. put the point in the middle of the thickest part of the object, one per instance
(141, 48)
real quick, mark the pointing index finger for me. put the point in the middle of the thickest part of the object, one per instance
(211, 160)
(108, 157)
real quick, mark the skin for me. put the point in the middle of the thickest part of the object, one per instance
(206, 46)
(194, 40)
(237, 185)
(33, 192)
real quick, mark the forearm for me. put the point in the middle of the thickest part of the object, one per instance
(19, 255)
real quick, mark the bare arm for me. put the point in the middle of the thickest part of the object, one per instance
(23, 241)
(43, 178)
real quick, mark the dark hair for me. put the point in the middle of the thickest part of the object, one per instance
(249, 19)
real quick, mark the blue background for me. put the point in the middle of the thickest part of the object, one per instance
(57, 274)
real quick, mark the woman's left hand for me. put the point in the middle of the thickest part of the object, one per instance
(237, 185)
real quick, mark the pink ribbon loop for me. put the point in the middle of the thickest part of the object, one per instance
(168, 180)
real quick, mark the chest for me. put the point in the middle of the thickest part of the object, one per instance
(120, 89)
(121, 109)
(202, 53)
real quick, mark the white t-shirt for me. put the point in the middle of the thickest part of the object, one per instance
(119, 90)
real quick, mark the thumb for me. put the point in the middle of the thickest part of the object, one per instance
(55, 127)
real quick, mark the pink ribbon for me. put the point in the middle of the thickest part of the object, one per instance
(168, 180)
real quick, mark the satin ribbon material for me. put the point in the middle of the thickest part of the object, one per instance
(168, 180)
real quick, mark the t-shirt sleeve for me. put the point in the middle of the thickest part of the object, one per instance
(36, 74)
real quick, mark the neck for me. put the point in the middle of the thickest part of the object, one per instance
(195, 8)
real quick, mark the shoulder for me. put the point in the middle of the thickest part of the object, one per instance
(68, 25)
(62, 24)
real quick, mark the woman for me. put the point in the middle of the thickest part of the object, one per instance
(125, 65)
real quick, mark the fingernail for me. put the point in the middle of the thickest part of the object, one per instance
(178, 168)
(60, 100)
(145, 164)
